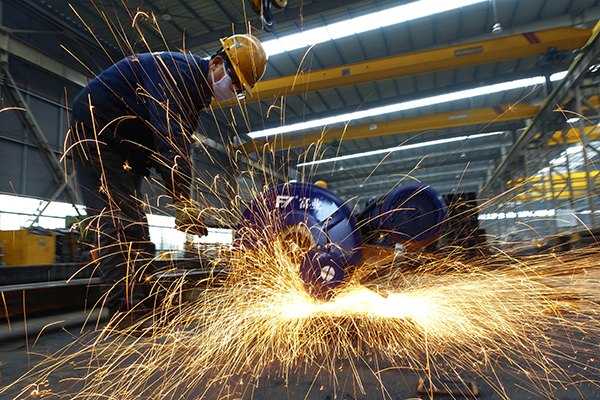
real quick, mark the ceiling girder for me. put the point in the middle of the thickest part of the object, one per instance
(467, 173)
(18, 48)
(252, 21)
(392, 162)
(418, 169)
(441, 185)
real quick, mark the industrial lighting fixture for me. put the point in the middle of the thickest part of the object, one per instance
(407, 105)
(400, 148)
(497, 28)
(558, 76)
(364, 23)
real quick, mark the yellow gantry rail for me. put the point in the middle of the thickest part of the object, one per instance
(417, 124)
(481, 52)
(404, 125)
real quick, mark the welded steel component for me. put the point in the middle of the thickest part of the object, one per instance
(411, 215)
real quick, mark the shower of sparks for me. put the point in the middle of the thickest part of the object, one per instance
(439, 315)
(443, 318)
(3, 109)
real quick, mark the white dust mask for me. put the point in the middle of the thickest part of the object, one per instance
(223, 88)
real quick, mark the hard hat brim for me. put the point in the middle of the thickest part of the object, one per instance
(226, 43)
(236, 69)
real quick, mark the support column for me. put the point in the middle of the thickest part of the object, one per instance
(553, 228)
(547, 190)
(590, 184)
(569, 181)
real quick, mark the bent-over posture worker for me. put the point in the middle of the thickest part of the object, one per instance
(140, 114)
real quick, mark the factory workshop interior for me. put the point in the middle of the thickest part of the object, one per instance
(299, 199)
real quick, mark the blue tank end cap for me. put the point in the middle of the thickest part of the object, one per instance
(310, 210)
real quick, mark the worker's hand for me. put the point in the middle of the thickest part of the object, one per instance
(189, 219)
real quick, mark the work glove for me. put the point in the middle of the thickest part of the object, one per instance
(188, 218)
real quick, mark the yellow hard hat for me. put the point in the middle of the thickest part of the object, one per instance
(247, 58)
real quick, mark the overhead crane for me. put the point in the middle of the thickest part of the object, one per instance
(453, 57)
(537, 131)
(501, 113)
(574, 135)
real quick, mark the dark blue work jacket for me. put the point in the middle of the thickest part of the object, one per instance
(145, 107)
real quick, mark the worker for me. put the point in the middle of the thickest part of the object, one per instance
(140, 114)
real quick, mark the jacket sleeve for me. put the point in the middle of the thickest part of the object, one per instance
(173, 111)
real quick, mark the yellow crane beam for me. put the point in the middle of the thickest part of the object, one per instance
(573, 135)
(576, 178)
(480, 52)
(431, 122)
(549, 195)
(403, 125)
(557, 186)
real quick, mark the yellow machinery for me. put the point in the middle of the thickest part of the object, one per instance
(28, 247)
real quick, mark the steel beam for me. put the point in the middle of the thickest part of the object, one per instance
(585, 141)
(452, 57)
(453, 119)
(418, 175)
(18, 48)
(442, 186)
(412, 159)
(36, 134)
(418, 167)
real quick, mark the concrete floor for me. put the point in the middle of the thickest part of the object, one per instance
(18, 356)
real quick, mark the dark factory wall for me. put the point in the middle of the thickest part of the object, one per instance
(22, 170)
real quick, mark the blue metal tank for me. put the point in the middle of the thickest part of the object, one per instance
(317, 221)
(412, 215)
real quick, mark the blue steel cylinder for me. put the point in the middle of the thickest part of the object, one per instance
(331, 239)
(412, 215)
